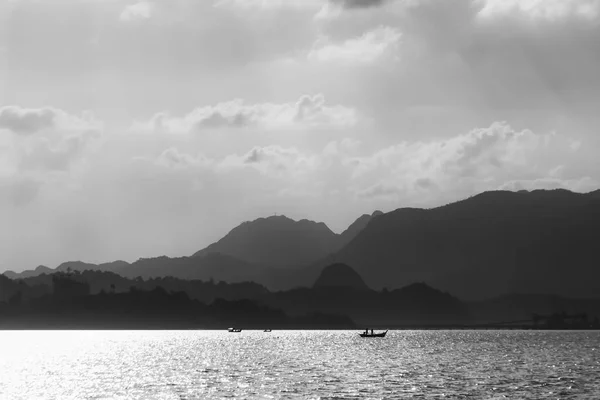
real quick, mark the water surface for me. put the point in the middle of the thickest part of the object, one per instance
(299, 364)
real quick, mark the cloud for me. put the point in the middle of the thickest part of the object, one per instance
(420, 173)
(549, 10)
(309, 111)
(353, 4)
(269, 4)
(27, 121)
(24, 121)
(43, 148)
(136, 11)
(364, 49)
(482, 159)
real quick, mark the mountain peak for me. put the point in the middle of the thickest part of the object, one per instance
(276, 241)
(340, 275)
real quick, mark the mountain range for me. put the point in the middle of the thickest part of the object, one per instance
(492, 244)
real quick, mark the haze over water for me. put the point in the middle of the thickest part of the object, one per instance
(299, 364)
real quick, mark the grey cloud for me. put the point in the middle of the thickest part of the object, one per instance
(254, 156)
(26, 121)
(354, 4)
(308, 111)
(218, 120)
(309, 106)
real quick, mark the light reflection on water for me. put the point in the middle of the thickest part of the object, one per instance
(299, 364)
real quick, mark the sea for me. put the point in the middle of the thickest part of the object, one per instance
(177, 365)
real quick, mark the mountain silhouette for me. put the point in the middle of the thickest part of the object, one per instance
(490, 244)
(42, 269)
(356, 227)
(115, 266)
(253, 251)
(276, 241)
(340, 275)
(282, 242)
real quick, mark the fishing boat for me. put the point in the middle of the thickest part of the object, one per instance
(267, 330)
(372, 334)
(234, 330)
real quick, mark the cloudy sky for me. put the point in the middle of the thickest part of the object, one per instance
(139, 128)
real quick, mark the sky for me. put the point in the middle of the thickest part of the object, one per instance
(142, 128)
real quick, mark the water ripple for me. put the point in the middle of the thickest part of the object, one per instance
(299, 364)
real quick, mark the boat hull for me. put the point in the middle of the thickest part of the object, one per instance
(368, 335)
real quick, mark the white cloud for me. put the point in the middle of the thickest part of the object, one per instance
(269, 4)
(43, 142)
(480, 160)
(419, 173)
(307, 112)
(136, 11)
(540, 9)
(364, 49)
(27, 121)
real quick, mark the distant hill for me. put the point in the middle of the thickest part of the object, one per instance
(114, 266)
(340, 275)
(273, 251)
(215, 266)
(42, 269)
(80, 266)
(490, 244)
(203, 290)
(279, 241)
(415, 304)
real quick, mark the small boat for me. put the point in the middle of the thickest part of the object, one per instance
(267, 330)
(234, 330)
(372, 334)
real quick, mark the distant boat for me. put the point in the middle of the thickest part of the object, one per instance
(267, 330)
(234, 330)
(372, 334)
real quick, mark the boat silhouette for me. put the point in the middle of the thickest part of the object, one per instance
(366, 334)
(234, 330)
(267, 330)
